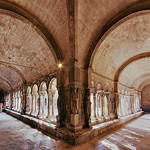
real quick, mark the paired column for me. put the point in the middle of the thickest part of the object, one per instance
(41, 113)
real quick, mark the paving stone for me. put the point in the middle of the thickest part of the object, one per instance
(26, 138)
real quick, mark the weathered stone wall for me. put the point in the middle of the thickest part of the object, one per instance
(146, 98)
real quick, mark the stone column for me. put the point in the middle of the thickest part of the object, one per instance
(94, 101)
(49, 104)
(28, 101)
(106, 102)
(36, 104)
(23, 100)
(39, 111)
(116, 105)
(52, 104)
(34, 113)
(42, 100)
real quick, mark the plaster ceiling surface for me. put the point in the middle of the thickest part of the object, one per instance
(22, 47)
(93, 15)
(10, 76)
(128, 39)
(134, 70)
(4, 85)
(54, 16)
(142, 83)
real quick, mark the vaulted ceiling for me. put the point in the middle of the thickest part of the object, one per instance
(107, 35)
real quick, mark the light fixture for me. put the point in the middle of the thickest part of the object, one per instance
(59, 65)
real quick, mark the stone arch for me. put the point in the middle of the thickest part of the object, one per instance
(135, 7)
(13, 7)
(14, 69)
(99, 86)
(43, 86)
(122, 67)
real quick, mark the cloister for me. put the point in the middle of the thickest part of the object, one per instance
(75, 68)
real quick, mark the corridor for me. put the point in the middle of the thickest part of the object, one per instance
(15, 135)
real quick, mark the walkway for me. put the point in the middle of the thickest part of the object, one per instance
(15, 135)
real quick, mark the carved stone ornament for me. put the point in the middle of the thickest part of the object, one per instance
(74, 103)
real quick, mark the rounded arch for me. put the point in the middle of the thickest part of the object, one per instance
(99, 86)
(35, 88)
(13, 7)
(135, 7)
(122, 67)
(43, 86)
(92, 84)
(4, 80)
(28, 90)
(53, 84)
(14, 69)
(132, 59)
(140, 77)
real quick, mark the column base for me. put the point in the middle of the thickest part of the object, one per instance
(34, 114)
(74, 129)
(27, 113)
(41, 116)
(107, 118)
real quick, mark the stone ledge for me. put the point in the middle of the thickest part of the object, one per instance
(70, 137)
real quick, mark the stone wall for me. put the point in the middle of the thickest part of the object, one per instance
(146, 98)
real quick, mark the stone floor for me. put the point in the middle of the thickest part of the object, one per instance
(15, 135)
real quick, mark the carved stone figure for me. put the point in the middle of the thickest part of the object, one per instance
(74, 103)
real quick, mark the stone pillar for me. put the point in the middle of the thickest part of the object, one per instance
(132, 103)
(42, 100)
(116, 105)
(32, 109)
(52, 104)
(11, 100)
(106, 103)
(39, 102)
(23, 100)
(94, 101)
(34, 104)
(28, 101)
(87, 107)
(49, 104)
(111, 106)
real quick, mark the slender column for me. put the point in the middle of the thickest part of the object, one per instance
(116, 105)
(16, 103)
(39, 113)
(43, 104)
(42, 100)
(32, 104)
(106, 103)
(49, 104)
(102, 105)
(52, 104)
(94, 104)
(36, 103)
(97, 102)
